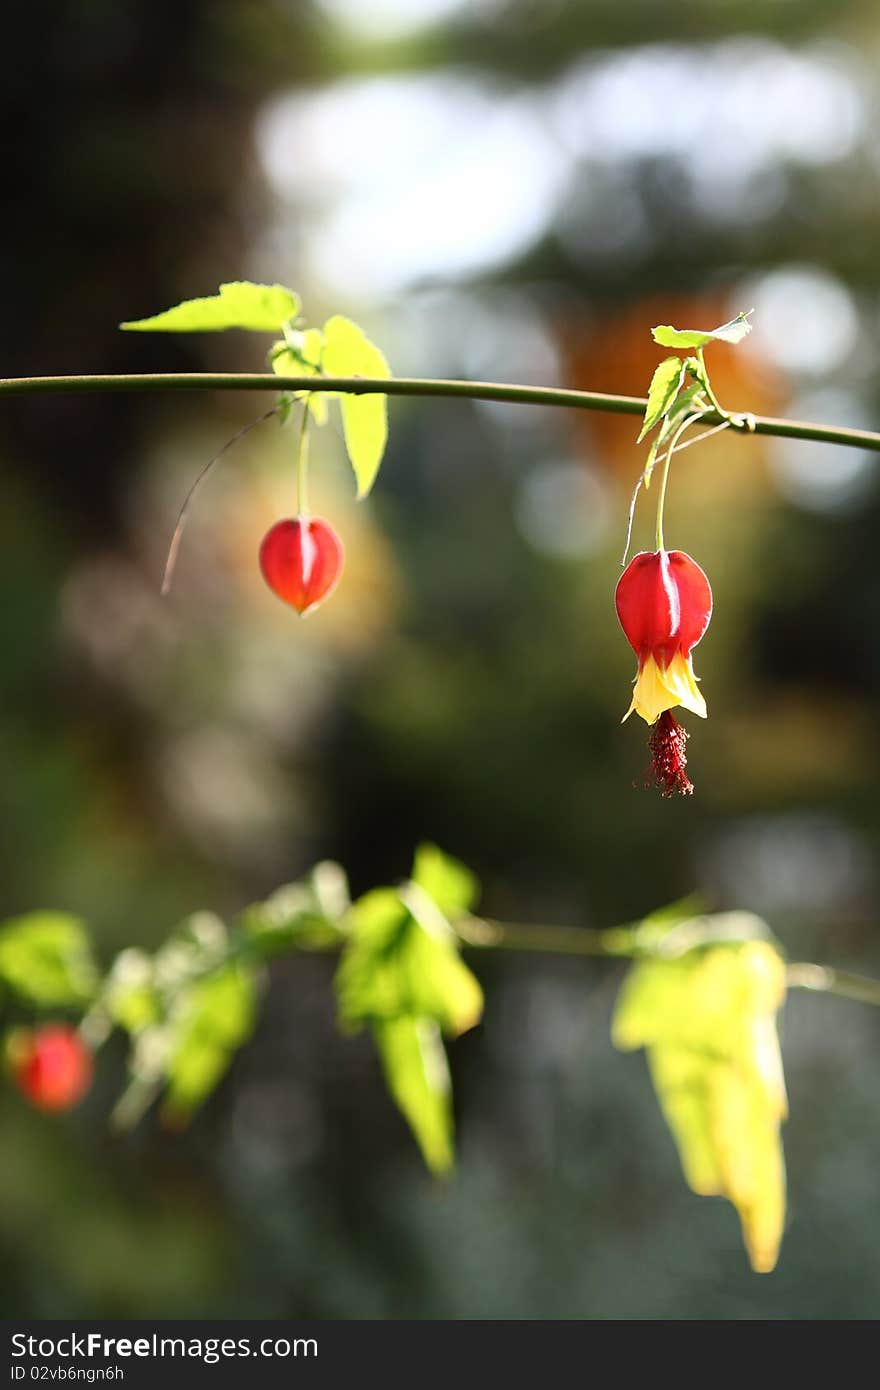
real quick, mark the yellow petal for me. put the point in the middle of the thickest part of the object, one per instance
(659, 688)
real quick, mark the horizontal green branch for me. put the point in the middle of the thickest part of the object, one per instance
(416, 386)
(845, 984)
(630, 943)
(564, 941)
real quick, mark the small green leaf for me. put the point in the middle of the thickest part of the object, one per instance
(732, 332)
(209, 1021)
(665, 385)
(396, 963)
(241, 304)
(417, 1074)
(45, 958)
(348, 352)
(449, 883)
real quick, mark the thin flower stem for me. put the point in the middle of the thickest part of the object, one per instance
(414, 386)
(302, 462)
(707, 385)
(631, 517)
(174, 547)
(698, 439)
(664, 479)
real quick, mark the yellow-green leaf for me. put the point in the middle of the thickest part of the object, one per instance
(210, 1020)
(708, 1021)
(448, 882)
(348, 352)
(45, 957)
(240, 304)
(417, 1074)
(399, 963)
(665, 385)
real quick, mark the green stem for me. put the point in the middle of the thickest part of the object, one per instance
(661, 495)
(707, 385)
(566, 941)
(634, 942)
(414, 386)
(843, 983)
(302, 463)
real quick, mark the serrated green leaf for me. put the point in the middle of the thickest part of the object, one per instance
(707, 1020)
(46, 959)
(240, 304)
(665, 385)
(733, 332)
(417, 1074)
(210, 1020)
(348, 352)
(448, 882)
(396, 964)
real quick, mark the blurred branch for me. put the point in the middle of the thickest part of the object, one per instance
(413, 386)
(645, 938)
(843, 983)
(567, 941)
(630, 942)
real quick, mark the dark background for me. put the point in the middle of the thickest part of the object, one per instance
(495, 190)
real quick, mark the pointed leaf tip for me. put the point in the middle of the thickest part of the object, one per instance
(417, 1075)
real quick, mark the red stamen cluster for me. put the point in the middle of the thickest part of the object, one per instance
(668, 758)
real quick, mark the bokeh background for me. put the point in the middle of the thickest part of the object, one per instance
(495, 189)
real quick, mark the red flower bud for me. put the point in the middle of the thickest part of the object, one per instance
(52, 1066)
(301, 561)
(664, 604)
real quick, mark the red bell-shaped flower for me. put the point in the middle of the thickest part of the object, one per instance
(664, 604)
(52, 1066)
(301, 561)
